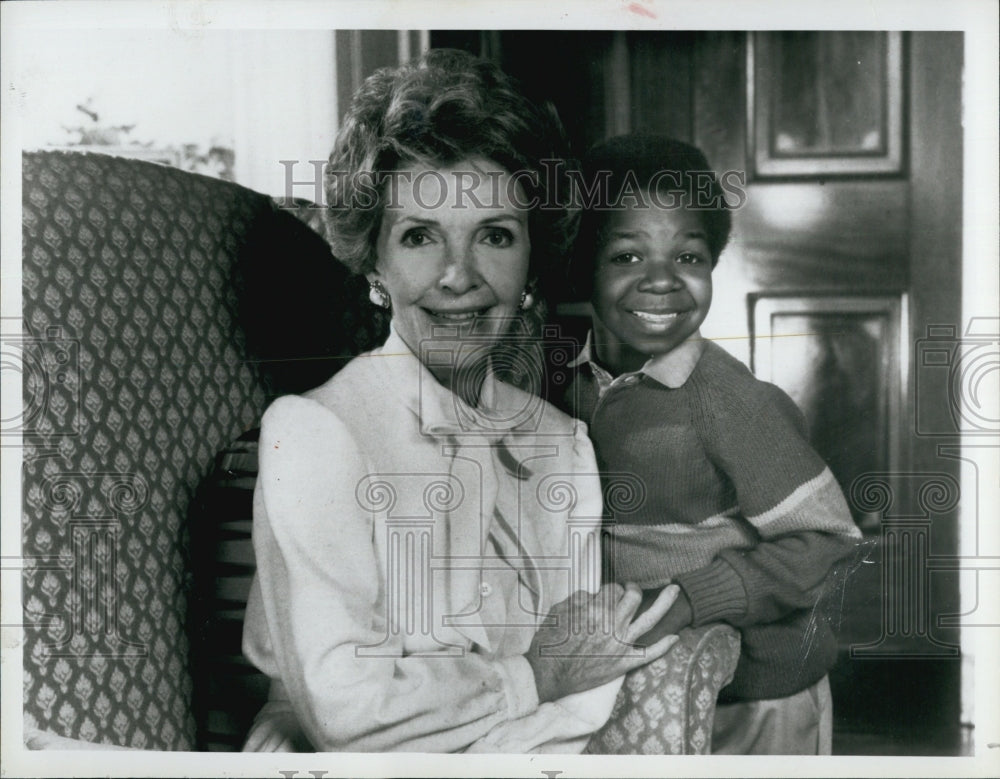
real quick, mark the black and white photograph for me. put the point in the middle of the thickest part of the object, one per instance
(491, 389)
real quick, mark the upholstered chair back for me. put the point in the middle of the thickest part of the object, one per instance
(161, 311)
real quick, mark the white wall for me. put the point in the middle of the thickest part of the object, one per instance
(269, 95)
(174, 86)
(285, 105)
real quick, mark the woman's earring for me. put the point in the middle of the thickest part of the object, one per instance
(378, 294)
(527, 300)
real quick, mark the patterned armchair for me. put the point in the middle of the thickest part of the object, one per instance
(161, 312)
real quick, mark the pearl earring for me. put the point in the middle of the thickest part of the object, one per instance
(527, 300)
(378, 294)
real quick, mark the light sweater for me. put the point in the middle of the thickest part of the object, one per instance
(727, 498)
(406, 549)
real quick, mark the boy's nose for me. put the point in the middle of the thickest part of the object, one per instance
(660, 277)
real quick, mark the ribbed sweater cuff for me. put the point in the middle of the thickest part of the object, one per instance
(716, 593)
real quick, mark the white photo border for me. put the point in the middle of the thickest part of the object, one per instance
(977, 19)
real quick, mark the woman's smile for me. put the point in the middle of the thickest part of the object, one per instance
(459, 315)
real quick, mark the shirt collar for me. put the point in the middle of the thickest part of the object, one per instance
(501, 409)
(672, 369)
(586, 353)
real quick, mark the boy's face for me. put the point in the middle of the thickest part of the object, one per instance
(652, 278)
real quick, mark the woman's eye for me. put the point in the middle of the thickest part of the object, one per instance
(498, 237)
(690, 258)
(625, 258)
(415, 237)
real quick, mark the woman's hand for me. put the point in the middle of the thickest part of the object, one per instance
(592, 639)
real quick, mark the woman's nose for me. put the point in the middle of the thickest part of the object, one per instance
(660, 277)
(460, 274)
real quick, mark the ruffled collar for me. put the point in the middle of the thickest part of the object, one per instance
(502, 409)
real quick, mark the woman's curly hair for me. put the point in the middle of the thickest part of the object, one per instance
(442, 109)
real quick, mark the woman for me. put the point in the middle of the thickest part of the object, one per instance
(415, 518)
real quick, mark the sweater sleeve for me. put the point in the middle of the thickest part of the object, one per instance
(589, 505)
(312, 609)
(794, 505)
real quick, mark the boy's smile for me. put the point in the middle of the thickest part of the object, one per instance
(652, 284)
(656, 319)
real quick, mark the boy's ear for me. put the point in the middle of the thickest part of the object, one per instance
(373, 275)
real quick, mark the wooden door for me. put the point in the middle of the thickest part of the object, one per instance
(842, 278)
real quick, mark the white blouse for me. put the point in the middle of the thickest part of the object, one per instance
(407, 546)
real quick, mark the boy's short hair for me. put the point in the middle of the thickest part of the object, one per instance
(445, 107)
(618, 169)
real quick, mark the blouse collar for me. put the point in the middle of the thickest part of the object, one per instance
(501, 410)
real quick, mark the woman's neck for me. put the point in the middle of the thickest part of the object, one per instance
(466, 382)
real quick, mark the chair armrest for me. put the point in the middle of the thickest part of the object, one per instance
(35, 739)
(667, 706)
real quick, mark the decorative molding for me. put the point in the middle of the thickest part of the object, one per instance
(881, 152)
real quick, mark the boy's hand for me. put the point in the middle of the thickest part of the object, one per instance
(676, 619)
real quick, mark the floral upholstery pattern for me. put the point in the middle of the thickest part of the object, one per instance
(667, 707)
(149, 343)
(140, 378)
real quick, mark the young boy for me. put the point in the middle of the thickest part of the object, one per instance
(739, 510)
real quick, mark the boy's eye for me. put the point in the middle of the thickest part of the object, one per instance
(416, 237)
(625, 258)
(498, 237)
(690, 258)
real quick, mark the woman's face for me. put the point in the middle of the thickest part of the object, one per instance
(452, 252)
